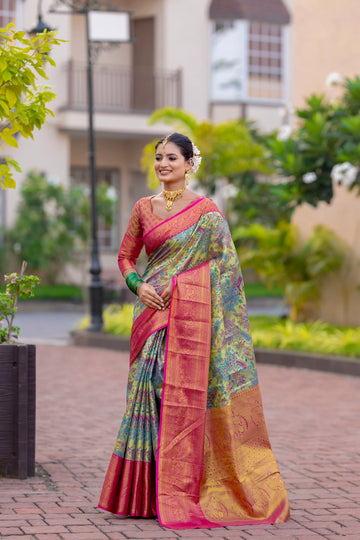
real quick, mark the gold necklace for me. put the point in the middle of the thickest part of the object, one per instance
(171, 196)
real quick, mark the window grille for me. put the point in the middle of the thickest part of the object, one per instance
(7, 12)
(265, 61)
(247, 61)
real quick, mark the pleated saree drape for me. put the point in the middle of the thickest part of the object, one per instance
(193, 446)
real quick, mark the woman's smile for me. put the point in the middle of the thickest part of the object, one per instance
(170, 165)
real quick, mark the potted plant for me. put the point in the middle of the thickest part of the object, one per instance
(17, 383)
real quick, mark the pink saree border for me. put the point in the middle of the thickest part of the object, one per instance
(163, 221)
(124, 478)
(190, 515)
(173, 281)
(146, 324)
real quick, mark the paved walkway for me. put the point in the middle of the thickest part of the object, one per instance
(313, 421)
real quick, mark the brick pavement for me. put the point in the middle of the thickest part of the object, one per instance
(312, 417)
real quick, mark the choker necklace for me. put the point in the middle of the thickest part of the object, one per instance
(171, 196)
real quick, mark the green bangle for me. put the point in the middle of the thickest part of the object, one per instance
(137, 285)
(133, 281)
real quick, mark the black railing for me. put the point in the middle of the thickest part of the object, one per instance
(123, 89)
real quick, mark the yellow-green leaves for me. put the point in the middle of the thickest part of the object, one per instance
(8, 138)
(23, 101)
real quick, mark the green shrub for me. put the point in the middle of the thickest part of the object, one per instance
(117, 320)
(267, 332)
(260, 290)
(317, 337)
(327, 135)
(299, 269)
(53, 223)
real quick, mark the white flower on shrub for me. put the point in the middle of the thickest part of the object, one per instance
(50, 207)
(284, 112)
(229, 190)
(54, 180)
(344, 173)
(111, 193)
(284, 132)
(17, 247)
(333, 79)
(309, 178)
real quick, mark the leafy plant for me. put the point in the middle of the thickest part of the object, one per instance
(53, 223)
(117, 319)
(17, 286)
(317, 337)
(299, 269)
(23, 101)
(328, 135)
(258, 199)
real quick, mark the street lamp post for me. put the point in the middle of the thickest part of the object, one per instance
(96, 285)
(104, 25)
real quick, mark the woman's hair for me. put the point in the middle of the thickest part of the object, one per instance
(182, 141)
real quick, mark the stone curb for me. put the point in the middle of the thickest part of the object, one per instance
(296, 359)
(299, 359)
(40, 306)
(83, 338)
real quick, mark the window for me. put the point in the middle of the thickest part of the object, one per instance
(246, 61)
(228, 68)
(265, 61)
(107, 235)
(7, 12)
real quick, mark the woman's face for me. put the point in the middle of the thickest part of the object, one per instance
(170, 165)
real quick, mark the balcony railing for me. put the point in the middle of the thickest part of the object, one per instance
(123, 90)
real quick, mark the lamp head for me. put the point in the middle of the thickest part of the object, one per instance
(40, 27)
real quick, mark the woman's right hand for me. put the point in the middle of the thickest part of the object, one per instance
(150, 297)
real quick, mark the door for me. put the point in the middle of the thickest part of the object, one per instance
(143, 65)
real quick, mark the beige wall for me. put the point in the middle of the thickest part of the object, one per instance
(185, 42)
(326, 39)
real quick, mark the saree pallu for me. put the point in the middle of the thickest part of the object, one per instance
(193, 447)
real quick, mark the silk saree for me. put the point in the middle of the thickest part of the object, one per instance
(193, 447)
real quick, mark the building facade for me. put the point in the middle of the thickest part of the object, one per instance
(179, 58)
(217, 59)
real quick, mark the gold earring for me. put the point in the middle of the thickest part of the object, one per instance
(187, 178)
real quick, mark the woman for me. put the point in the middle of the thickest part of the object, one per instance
(193, 446)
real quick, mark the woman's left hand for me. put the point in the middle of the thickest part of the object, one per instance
(166, 294)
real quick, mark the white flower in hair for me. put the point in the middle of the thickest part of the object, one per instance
(196, 160)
